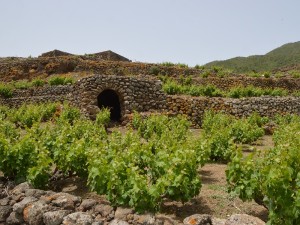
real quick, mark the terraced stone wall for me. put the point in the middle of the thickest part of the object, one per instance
(144, 94)
(38, 95)
(195, 107)
(290, 84)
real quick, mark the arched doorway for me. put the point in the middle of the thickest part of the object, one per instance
(110, 99)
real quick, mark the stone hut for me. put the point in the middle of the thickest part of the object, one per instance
(122, 95)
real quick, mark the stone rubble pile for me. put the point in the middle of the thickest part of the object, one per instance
(26, 205)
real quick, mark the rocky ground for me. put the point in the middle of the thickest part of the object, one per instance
(25, 205)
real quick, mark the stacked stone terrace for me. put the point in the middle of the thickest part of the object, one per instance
(144, 94)
(125, 87)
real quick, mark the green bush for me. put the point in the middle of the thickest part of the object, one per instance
(103, 117)
(154, 70)
(296, 93)
(38, 83)
(267, 74)
(22, 84)
(255, 118)
(168, 64)
(69, 114)
(243, 131)
(28, 114)
(185, 80)
(198, 67)
(172, 87)
(138, 173)
(6, 90)
(182, 65)
(294, 73)
(221, 145)
(68, 80)
(271, 177)
(60, 81)
(251, 91)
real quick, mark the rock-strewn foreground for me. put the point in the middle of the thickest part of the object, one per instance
(24, 205)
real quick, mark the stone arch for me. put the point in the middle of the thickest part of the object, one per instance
(111, 99)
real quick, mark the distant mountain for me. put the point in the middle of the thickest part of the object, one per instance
(286, 55)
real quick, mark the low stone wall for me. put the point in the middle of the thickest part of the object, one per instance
(144, 94)
(290, 84)
(195, 107)
(39, 95)
(25, 205)
(43, 91)
(17, 102)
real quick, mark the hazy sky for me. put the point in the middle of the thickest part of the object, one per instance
(186, 31)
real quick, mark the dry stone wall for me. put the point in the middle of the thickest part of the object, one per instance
(144, 94)
(290, 84)
(38, 95)
(135, 93)
(195, 107)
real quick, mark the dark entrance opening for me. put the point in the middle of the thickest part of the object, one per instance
(110, 99)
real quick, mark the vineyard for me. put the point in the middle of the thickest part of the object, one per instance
(157, 158)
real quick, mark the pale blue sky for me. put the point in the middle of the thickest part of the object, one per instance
(186, 31)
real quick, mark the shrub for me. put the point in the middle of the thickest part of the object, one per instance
(38, 83)
(60, 81)
(28, 114)
(254, 74)
(68, 80)
(6, 90)
(138, 169)
(185, 80)
(182, 65)
(294, 73)
(277, 92)
(22, 84)
(198, 67)
(69, 114)
(172, 87)
(248, 91)
(154, 70)
(221, 145)
(267, 74)
(251, 91)
(168, 64)
(271, 177)
(138, 173)
(279, 74)
(242, 131)
(103, 117)
(296, 93)
(56, 81)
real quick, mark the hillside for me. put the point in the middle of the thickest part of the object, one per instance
(284, 56)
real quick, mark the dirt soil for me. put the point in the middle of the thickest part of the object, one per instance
(214, 198)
